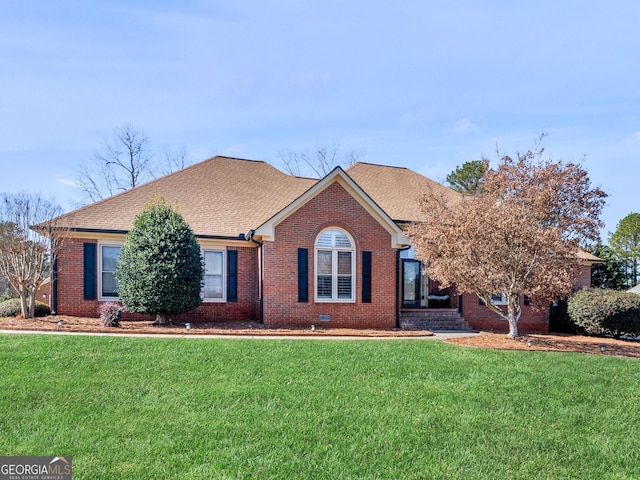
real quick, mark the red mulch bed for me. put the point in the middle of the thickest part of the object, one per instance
(92, 325)
(553, 343)
(546, 342)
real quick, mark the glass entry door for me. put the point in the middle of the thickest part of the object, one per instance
(410, 283)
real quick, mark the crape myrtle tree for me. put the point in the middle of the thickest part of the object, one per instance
(519, 236)
(160, 269)
(29, 242)
(625, 242)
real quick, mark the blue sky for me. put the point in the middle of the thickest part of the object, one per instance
(422, 84)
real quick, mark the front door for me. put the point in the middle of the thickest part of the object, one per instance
(414, 284)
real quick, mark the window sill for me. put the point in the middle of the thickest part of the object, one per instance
(331, 300)
(214, 300)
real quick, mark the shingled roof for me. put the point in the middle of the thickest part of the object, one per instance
(396, 189)
(221, 196)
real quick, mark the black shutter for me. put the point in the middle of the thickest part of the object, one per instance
(366, 277)
(303, 275)
(90, 271)
(232, 276)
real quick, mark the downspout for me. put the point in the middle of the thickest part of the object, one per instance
(54, 277)
(249, 236)
(398, 251)
(54, 287)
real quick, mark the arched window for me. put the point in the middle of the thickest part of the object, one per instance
(335, 266)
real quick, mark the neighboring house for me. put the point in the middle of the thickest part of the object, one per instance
(635, 289)
(281, 249)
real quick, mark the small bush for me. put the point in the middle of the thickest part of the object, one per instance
(605, 312)
(11, 308)
(6, 295)
(110, 313)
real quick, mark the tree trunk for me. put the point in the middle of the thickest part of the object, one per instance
(161, 319)
(32, 304)
(513, 321)
(24, 308)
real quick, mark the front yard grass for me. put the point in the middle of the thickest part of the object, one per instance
(140, 408)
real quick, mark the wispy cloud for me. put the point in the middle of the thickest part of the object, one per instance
(464, 126)
(66, 181)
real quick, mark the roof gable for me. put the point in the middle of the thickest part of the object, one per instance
(266, 231)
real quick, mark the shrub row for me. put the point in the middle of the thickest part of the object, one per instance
(605, 312)
(11, 308)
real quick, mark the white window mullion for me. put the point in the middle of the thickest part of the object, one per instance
(333, 270)
(334, 277)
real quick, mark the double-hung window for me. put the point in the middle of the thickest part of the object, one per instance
(214, 271)
(108, 260)
(335, 266)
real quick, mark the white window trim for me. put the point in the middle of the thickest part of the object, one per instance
(102, 298)
(224, 275)
(334, 268)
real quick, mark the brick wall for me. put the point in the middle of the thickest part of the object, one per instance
(71, 301)
(584, 279)
(333, 207)
(533, 318)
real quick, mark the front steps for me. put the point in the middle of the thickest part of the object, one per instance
(433, 319)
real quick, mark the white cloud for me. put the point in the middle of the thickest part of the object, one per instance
(464, 126)
(67, 181)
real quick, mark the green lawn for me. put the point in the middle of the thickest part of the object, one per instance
(129, 408)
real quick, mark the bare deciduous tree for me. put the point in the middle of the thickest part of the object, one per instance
(29, 242)
(318, 162)
(519, 236)
(125, 162)
(175, 160)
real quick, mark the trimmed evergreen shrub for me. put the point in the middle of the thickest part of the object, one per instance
(110, 313)
(160, 269)
(11, 308)
(605, 312)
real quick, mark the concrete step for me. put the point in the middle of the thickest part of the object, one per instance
(433, 319)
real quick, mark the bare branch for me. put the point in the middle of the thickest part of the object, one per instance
(125, 162)
(27, 225)
(175, 160)
(317, 163)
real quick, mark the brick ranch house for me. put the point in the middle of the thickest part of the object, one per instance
(283, 250)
